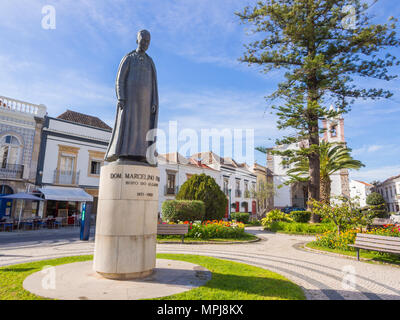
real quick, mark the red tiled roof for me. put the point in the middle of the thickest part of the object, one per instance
(367, 184)
(85, 119)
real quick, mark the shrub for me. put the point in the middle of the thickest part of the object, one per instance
(334, 240)
(300, 216)
(300, 228)
(274, 215)
(376, 205)
(183, 210)
(344, 213)
(243, 217)
(204, 188)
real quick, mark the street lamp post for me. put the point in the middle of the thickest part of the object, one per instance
(230, 203)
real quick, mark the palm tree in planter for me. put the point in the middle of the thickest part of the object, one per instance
(333, 158)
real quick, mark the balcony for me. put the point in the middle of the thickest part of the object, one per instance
(171, 191)
(11, 171)
(238, 193)
(18, 106)
(66, 177)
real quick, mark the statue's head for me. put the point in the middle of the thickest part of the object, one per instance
(143, 40)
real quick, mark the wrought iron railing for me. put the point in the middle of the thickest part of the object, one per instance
(171, 191)
(66, 177)
(11, 171)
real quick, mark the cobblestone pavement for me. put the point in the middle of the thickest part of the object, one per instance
(321, 276)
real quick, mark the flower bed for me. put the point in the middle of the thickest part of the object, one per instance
(341, 241)
(216, 229)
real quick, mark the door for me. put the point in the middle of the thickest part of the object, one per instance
(5, 204)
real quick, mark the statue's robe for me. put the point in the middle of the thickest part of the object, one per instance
(136, 84)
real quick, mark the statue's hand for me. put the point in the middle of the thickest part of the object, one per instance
(153, 109)
(121, 104)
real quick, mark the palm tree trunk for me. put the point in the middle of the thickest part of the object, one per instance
(325, 190)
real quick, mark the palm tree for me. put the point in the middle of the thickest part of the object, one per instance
(333, 158)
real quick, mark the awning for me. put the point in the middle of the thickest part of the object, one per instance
(22, 196)
(65, 194)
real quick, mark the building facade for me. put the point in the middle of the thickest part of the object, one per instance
(20, 133)
(71, 155)
(175, 170)
(390, 190)
(237, 180)
(360, 190)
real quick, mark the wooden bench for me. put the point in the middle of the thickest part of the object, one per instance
(173, 229)
(379, 223)
(374, 242)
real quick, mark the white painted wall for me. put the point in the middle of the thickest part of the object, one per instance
(361, 191)
(181, 178)
(390, 190)
(51, 152)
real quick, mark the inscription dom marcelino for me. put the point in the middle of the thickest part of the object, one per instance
(137, 179)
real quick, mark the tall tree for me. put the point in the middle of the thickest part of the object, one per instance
(326, 46)
(333, 158)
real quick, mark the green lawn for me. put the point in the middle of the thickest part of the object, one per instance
(230, 280)
(373, 256)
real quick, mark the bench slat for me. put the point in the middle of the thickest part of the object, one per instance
(375, 249)
(377, 245)
(373, 236)
(172, 229)
(380, 241)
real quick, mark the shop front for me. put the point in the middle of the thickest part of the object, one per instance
(63, 202)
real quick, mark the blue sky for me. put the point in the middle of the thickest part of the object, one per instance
(195, 45)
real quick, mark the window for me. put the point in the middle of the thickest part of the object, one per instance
(96, 161)
(66, 166)
(333, 131)
(226, 186)
(9, 152)
(170, 187)
(246, 189)
(285, 165)
(95, 167)
(238, 192)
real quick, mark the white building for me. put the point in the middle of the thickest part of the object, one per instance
(20, 132)
(296, 195)
(360, 190)
(175, 170)
(72, 152)
(236, 177)
(390, 190)
(233, 178)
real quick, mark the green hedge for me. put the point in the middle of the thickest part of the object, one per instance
(205, 188)
(183, 210)
(243, 217)
(300, 216)
(300, 228)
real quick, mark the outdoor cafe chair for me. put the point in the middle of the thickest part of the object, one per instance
(27, 222)
(8, 223)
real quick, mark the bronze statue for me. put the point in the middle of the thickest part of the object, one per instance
(137, 108)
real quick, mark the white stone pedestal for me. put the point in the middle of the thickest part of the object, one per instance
(126, 231)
